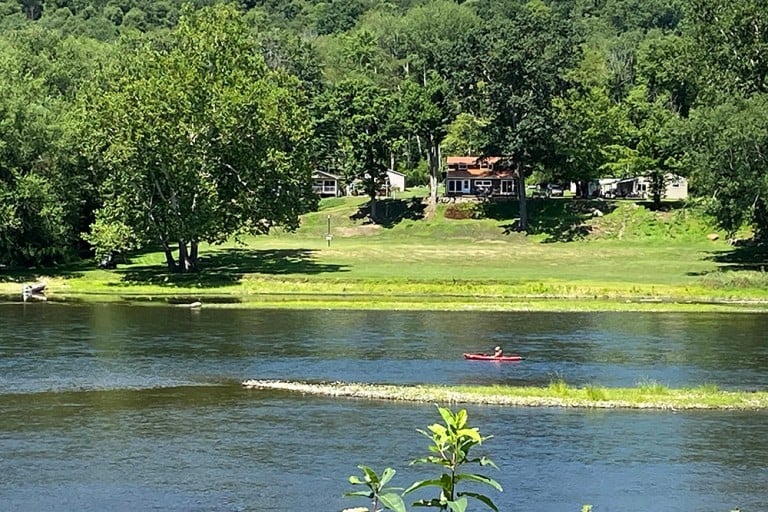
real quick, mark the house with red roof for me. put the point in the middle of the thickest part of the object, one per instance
(478, 176)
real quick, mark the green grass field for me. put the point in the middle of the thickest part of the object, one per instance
(579, 255)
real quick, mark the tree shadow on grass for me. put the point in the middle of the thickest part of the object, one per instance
(227, 267)
(664, 206)
(390, 212)
(561, 220)
(752, 257)
(23, 275)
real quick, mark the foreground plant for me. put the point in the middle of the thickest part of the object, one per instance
(451, 444)
(377, 492)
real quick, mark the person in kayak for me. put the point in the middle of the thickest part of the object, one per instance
(497, 352)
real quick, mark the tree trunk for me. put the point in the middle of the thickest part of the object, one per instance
(33, 9)
(523, 226)
(760, 219)
(433, 162)
(193, 249)
(373, 208)
(187, 257)
(183, 256)
(657, 188)
(169, 258)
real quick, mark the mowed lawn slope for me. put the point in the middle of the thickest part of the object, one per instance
(617, 255)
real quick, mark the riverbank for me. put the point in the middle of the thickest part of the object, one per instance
(627, 259)
(558, 394)
(256, 291)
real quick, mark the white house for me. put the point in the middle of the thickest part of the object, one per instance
(325, 184)
(396, 181)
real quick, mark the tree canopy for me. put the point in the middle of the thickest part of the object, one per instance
(198, 139)
(134, 123)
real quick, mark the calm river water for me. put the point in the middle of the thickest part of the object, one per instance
(134, 408)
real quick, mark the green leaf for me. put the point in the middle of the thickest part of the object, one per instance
(354, 494)
(472, 433)
(370, 475)
(421, 484)
(459, 505)
(479, 479)
(481, 497)
(485, 461)
(387, 475)
(392, 501)
(447, 415)
(461, 419)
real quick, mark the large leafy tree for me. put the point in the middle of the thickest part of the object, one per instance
(466, 135)
(591, 124)
(727, 143)
(728, 165)
(731, 39)
(358, 124)
(650, 147)
(198, 139)
(510, 73)
(424, 114)
(44, 194)
(409, 51)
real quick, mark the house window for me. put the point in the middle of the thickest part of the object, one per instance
(507, 186)
(458, 186)
(483, 187)
(462, 166)
(324, 186)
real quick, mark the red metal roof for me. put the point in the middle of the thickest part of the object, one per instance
(471, 160)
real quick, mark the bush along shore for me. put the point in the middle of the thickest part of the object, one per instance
(651, 396)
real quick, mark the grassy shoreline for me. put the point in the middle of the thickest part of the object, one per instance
(651, 396)
(299, 293)
(632, 259)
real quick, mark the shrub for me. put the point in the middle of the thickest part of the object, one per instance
(460, 211)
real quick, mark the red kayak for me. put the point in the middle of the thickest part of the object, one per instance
(491, 357)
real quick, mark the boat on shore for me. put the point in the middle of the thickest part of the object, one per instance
(491, 357)
(30, 289)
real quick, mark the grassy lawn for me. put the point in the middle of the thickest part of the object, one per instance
(607, 255)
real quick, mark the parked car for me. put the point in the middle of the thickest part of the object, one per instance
(554, 191)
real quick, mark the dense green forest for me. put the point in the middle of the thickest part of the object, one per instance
(128, 123)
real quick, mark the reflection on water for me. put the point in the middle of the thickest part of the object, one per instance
(139, 408)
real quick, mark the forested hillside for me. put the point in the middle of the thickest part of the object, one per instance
(130, 123)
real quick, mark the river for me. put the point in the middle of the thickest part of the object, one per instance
(132, 407)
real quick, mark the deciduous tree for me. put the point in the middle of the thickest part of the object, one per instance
(200, 141)
(728, 145)
(510, 73)
(358, 124)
